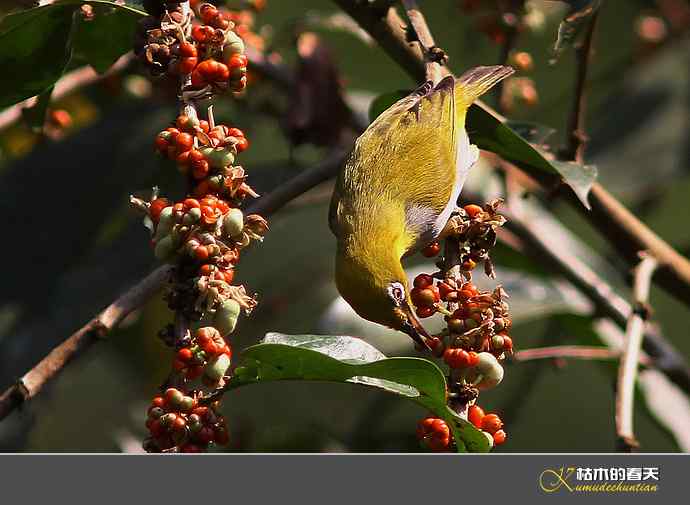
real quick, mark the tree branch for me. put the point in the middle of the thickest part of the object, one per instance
(98, 328)
(432, 55)
(577, 137)
(570, 351)
(627, 370)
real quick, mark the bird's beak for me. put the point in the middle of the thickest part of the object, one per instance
(413, 327)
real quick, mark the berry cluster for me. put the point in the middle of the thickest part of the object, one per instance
(210, 52)
(476, 337)
(206, 152)
(176, 420)
(202, 234)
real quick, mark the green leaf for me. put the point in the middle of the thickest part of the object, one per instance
(34, 51)
(574, 23)
(491, 134)
(349, 359)
(108, 36)
(385, 100)
(36, 44)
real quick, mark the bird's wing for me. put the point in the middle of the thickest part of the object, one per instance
(417, 135)
(415, 154)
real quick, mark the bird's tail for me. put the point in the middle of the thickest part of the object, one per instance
(477, 81)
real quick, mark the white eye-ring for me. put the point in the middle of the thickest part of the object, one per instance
(396, 292)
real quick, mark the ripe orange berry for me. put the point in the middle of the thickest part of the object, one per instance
(184, 142)
(184, 354)
(434, 434)
(431, 250)
(456, 358)
(158, 401)
(473, 210)
(202, 33)
(201, 253)
(237, 61)
(161, 145)
(472, 359)
(491, 423)
(186, 65)
(500, 437)
(200, 169)
(423, 281)
(157, 207)
(242, 145)
(207, 13)
(475, 414)
(426, 311)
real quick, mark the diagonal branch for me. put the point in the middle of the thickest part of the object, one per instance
(98, 328)
(433, 56)
(627, 370)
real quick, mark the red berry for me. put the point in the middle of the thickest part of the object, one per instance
(473, 210)
(472, 359)
(200, 169)
(426, 297)
(500, 437)
(202, 33)
(426, 311)
(207, 13)
(173, 396)
(242, 145)
(184, 142)
(158, 401)
(157, 207)
(431, 250)
(186, 65)
(444, 290)
(456, 358)
(220, 22)
(203, 124)
(423, 281)
(187, 50)
(434, 434)
(491, 423)
(198, 79)
(161, 145)
(235, 132)
(201, 253)
(191, 203)
(237, 61)
(475, 414)
(185, 354)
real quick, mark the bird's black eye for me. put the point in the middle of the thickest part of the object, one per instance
(396, 291)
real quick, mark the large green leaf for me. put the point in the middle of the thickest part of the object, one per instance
(36, 44)
(489, 133)
(349, 359)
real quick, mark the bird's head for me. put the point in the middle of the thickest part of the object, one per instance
(376, 287)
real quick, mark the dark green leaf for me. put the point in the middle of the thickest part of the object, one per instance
(348, 359)
(574, 23)
(34, 51)
(534, 133)
(382, 102)
(108, 36)
(36, 44)
(489, 133)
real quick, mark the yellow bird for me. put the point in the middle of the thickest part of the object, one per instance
(396, 193)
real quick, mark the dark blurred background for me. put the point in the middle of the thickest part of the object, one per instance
(72, 243)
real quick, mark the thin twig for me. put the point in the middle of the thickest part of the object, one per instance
(627, 370)
(426, 40)
(571, 351)
(577, 137)
(555, 255)
(98, 328)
